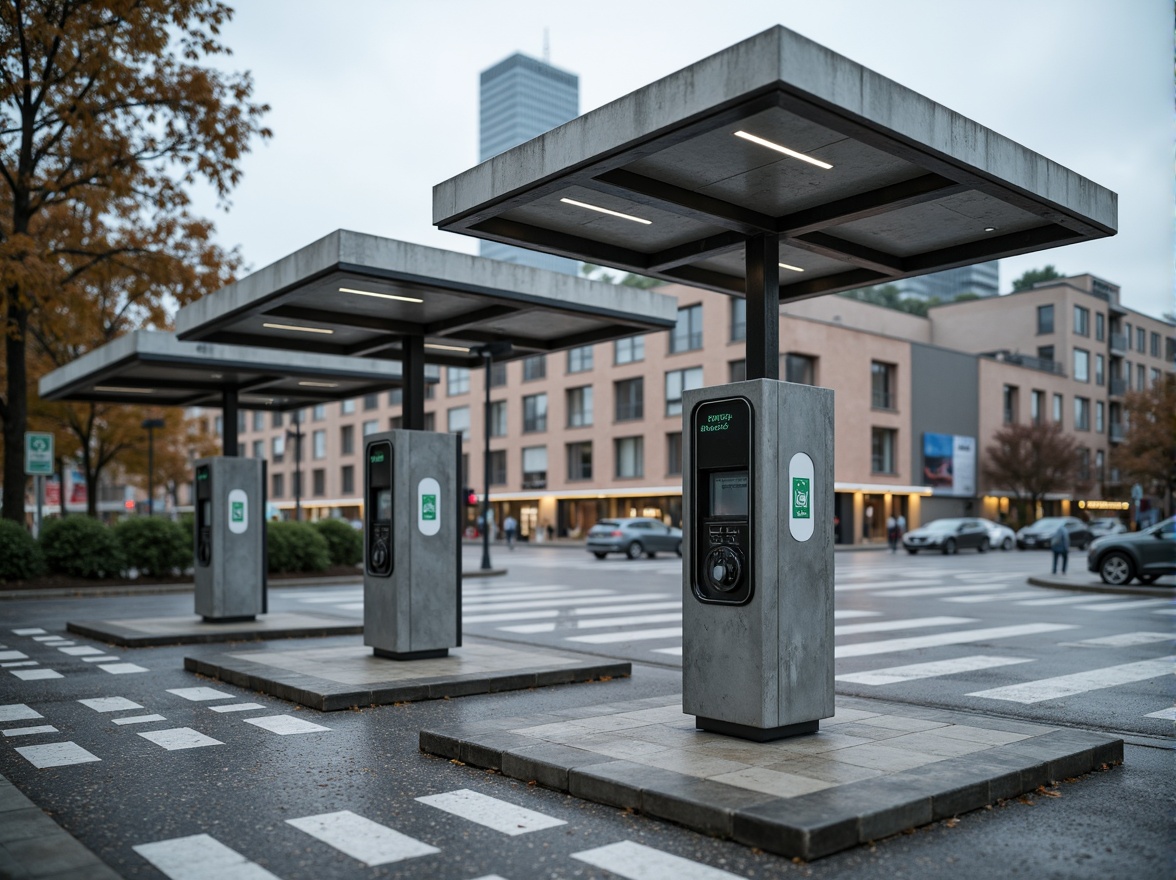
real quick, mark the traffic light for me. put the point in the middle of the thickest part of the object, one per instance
(471, 497)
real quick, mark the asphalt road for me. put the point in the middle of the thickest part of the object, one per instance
(1080, 662)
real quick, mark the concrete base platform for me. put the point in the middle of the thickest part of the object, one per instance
(873, 770)
(192, 629)
(333, 678)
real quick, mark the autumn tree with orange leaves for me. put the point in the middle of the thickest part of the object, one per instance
(1147, 455)
(108, 118)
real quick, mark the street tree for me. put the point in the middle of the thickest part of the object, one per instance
(108, 118)
(1035, 276)
(1030, 461)
(1147, 455)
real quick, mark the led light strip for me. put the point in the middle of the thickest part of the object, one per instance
(606, 211)
(441, 347)
(121, 390)
(299, 329)
(407, 299)
(790, 268)
(309, 384)
(782, 149)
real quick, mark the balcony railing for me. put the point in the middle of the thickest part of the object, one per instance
(1118, 343)
(882, 400)
(1115, 432)
(1117, 387)
(1025, 360)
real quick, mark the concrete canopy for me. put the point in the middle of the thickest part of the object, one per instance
(863, 181)
(366, 297)
(151, 367)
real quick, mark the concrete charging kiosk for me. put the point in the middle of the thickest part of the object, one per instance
(758, 600)
(412, 551)
(230, 538)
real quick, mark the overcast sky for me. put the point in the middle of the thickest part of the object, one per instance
(375, 101)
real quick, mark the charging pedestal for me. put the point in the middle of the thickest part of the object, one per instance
(412, 548)
(230, 539)
(757, 493)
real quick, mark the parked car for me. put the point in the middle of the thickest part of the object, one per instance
(947, 536)
(1145, 555)
(1000, 536)
(633, 536)
(1040, 534)
(1106, 525)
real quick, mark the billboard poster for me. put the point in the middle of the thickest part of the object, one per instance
(949, 464)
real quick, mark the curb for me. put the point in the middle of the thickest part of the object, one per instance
(1056, 583)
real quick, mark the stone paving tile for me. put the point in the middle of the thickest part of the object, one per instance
(827, 771)
(690, 763)
(934, 743)
(844, 714)
(774, 782)
(985, 735)
(898, 722)
(872, 755)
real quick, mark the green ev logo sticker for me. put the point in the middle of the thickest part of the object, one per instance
(428, 507)
(237, 512)
(801, 498)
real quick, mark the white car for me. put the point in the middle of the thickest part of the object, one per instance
(1000, 537)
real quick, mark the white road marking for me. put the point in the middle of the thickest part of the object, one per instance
(138, 719)
(237, 707)
(29, 631)
(1079, 682)
(1130, 603)
(673, 652)
(878, 585)
(916, 671)
(961, 637)
(495, 618)
(180, 738)
(624, 609)
(1066, 600)
(847, 614)
(110, 704)
(636, 620)
(995, 597)
(556, 603)
(199, 694)
(35, 674)
(638, 862)
(56, 755)
(640, 635)
(491, 812)
(101, 658)
(200, 857)
(18, 712)
(26, 731)
(48, 638)
(591, 597)
(1127, 640)
(13, 655)
(939, 591)
(851, 629)
(362, 839)
(81, 651)
(16, 663)
(1165, 611)
(285, 725)
(1166, 714)
(122, 668)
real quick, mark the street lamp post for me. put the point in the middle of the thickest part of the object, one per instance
(296, 436)
(150, 425)
(487, 352)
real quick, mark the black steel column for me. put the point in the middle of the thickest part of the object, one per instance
(488, 360)
(413, 371)
(762, 257)
(229, 424)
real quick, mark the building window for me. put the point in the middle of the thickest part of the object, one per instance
(258, 420)
(579, 403)
(1045, 320)
(430, 422)
(1127, 373)
(1127, 334)
(1081, 365)
(1100, 465)
(1140, 377)
(687, 333)
(882, 450)
(629, 351)
(319, 412)
(498, 418)
(580, 359)
(1010, 404)
(630, 456)
(1100, 365)
(278, 449)
(1045, 354)
(738, 319)
(396, 397)
(1036, 406)
(318, 482)
(372, 426)
(579, 461)
(371, 401)
(457, 381)
(1100, 326)
(259, 449)
(276, 420)
(395, 423)
(534, 367)
(1081, 414)
(318, 443)
(498, 467)
(278, 486)
(1057, 408)
(1100, 425)
(800, 368)
(1140, 339)
(674, 454)
(629, 396)
(347, 479)
(534, 413)
(1155, 345)
(736, 370)
(678, 381)
(347, 407)
(347, 440)
(457, 421)
(535, 467)
(882, 385)
(1155, 377)
(497, 374)
(1081, 321)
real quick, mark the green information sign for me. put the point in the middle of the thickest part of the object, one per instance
(38, 454)
(428, 507)
(801, 498)
(237, 511)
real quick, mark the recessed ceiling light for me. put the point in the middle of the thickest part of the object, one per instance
(790, 268)
(119, 389)
(299, 329)
(310, 384)
(606, 211)
(990, 229)
(407, 299)
(441, 347)
(779, 148)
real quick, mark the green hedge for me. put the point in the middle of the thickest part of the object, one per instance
(295, 547)
(344, 542)
(20, 556)
(154, 545)
(81, 547)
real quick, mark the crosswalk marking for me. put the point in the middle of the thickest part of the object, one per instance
(285, 725)
(200, 694)
(1165, 714)
(101, 658)
(491, 812)
(1130, 603)
(176, 738)
(1127, 640)
(638, 862)
(851, 629)
(1164, 611)
(499, 598)
(60, 754)
(506, 615)
(35, 674)
(18, 712)
(138, 719)
(28, 731)
(595, 623)
(1079, 682)
(994, 597)
(200, 857)
(15, 663)
(362, 839)
(939, 591)
(848, 614)
(1066, 600)
(237, 707)
(109, 704)
(29, 631)
(640, 606)
(556, 603)
(878, 585)
(638, 636)
(673, 652)
(48, 638)
(916, 671)
(122, 668)
(953, 638)
(81, 651)
(13, 655)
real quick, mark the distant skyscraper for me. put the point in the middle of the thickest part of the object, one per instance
(521, 98)
(982, 279)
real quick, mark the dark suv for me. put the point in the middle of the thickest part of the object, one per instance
(1041, 533)
(1145, 555)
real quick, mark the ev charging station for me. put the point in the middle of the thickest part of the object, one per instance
(230, 539)
(758, 600)
(412, 548)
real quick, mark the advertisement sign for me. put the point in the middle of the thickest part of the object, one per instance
(949, 464)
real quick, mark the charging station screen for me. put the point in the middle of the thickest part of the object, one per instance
(206, 512)
(384, 504)
(728, 494)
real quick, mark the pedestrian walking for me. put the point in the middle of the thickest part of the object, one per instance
(510, 526)
(892, 533)
(1060, 545)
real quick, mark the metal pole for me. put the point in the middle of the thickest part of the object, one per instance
(229, 441)
(150, 470)
(40, 489)
(297, 468)
(762, 256)
(487, 358)
(413, 371)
